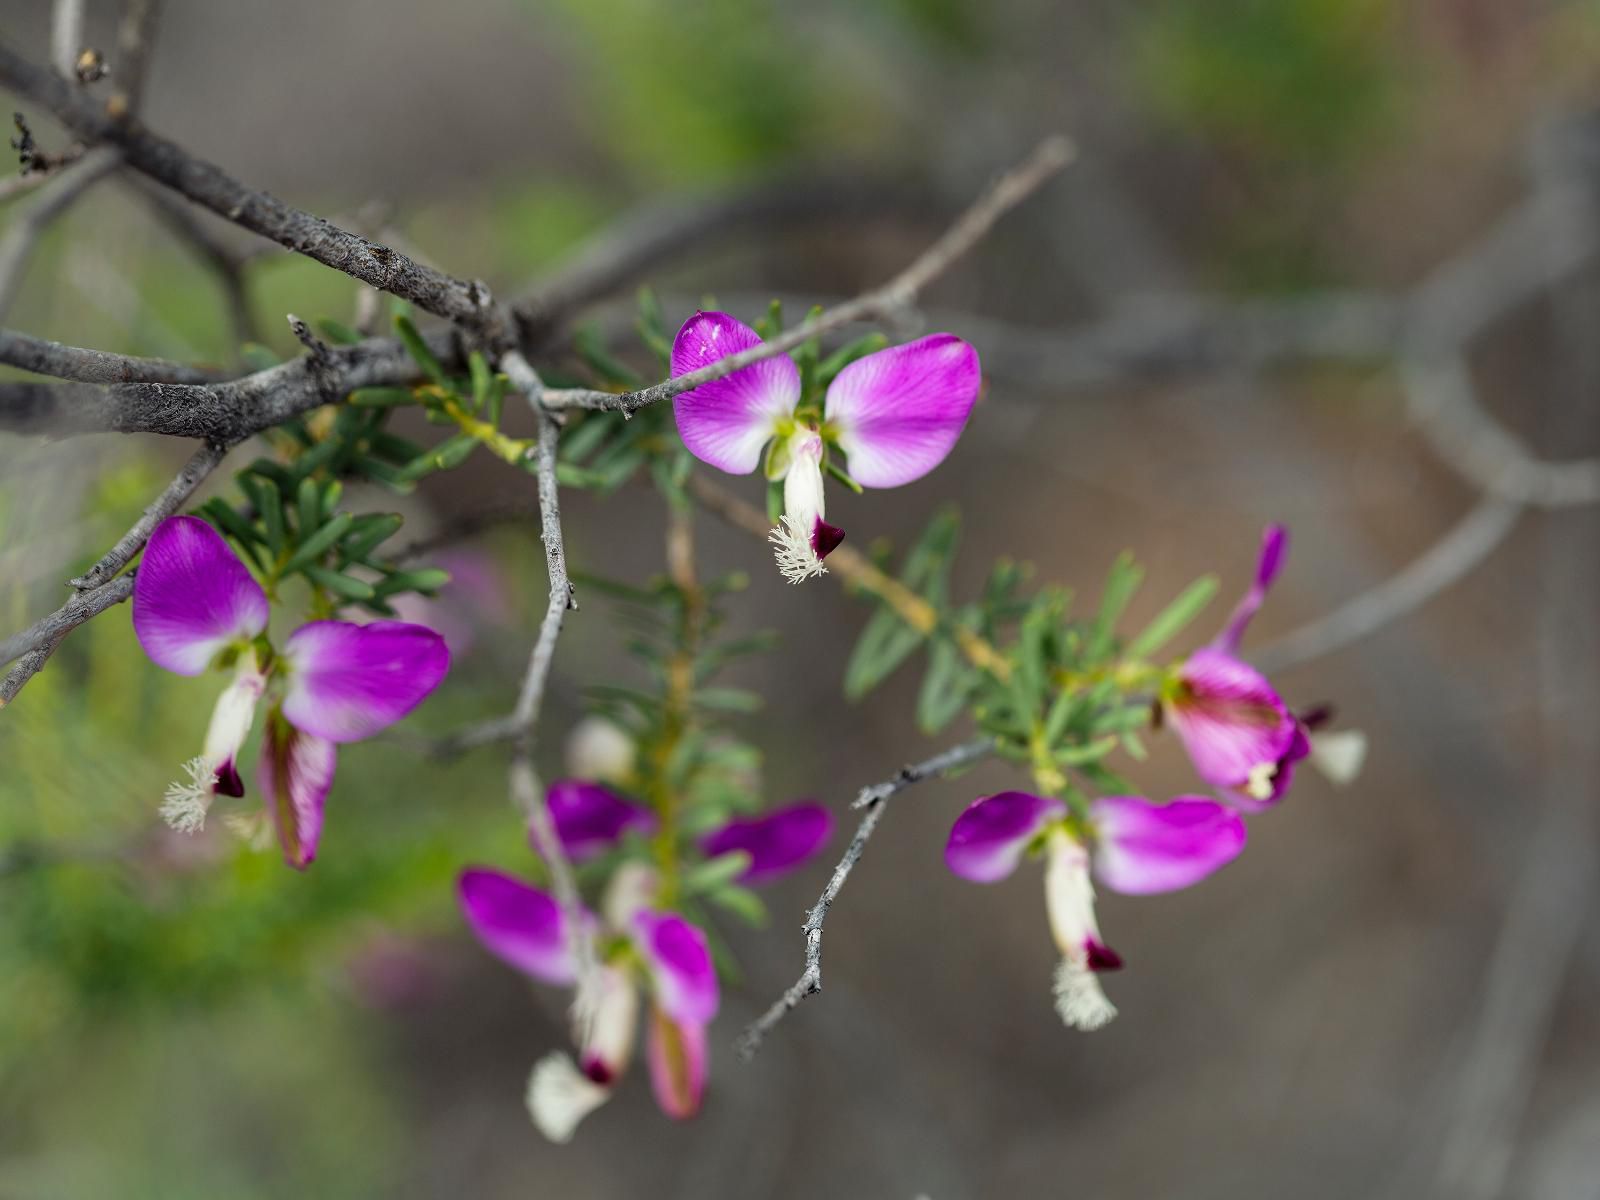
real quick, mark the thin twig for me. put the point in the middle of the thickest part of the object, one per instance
(36, 643)
(525, 787)
(219, 412)
(467, 302)
(898, 294)
(874, 799)
(183, 485)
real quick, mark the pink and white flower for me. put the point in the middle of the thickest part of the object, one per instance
(895, 414)
(195, 606)
(1240, 735)
(657, 953)
(1129, 843)
(648, 954)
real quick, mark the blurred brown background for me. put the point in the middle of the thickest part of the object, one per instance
(1391, 994)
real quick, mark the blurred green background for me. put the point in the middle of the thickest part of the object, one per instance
(189, 1018)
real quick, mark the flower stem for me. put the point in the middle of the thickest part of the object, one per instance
(676, 710)
(857, 570)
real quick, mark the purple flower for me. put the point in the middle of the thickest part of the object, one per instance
(896, 414)
(1130, 844)
(776, 842)
(1237, 730)
(590, 819)
(654, 952)
(196, 606)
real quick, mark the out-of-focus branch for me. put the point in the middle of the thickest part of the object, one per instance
(467, 302)
(66, 37)
(36, 643)
(225, 262)
(874, 799)
(1015, 186)
(1449, 559)
(1552, 897)
(135, 41)
(53, 199)
(221, 412)
(183, 485)
(1444, 405)
(651, 236)
(92, 366)
(97, 589)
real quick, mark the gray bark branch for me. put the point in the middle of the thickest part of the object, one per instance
(467, 302)
(874, 799)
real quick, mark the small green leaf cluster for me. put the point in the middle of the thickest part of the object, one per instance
(1058, 691)
(690, 765)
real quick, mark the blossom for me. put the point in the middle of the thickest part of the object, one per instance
(195, 607)
(776, 842)
(1239, 734)
(657, 953)
(651, 959)
(895, 414)
(590, 819)
(1130, 844)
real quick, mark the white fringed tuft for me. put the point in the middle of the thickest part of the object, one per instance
(1079, 998)
(792, 548)
(187, 802)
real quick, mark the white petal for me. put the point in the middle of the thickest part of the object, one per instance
(1069, 895)
(1339, 755)
(560, 1096)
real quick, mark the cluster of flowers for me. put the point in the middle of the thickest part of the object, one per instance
(641, 948)
(896, 414)
(1243, 741)
(196, 608)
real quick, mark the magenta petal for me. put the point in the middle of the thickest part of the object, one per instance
(517, 923)
(898, 412)
(726, 422)
(192, 597)
(1282, 776)
(679, 962)
(294, 773)
(988, 839)
(1231, 721)
(346, 682)
(1274, 549)
(1146, 848)
(777, 842)
(676, 1051)
(590, 819)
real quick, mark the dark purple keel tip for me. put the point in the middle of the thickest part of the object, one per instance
(599, 1072)
(825, 538)
(1103, 958)
(228, 782)
(1317, 716)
